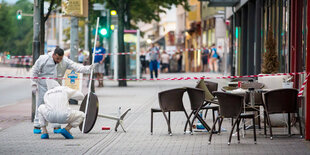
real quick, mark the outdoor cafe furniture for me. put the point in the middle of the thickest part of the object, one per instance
(196, 97)
(281, 101)
(246, 89)
(231, 107)
(242, 79)
(212, 86)
(209, 99)
(170, 101)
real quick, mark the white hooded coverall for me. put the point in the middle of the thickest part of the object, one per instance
(46, 67)
(56, 108)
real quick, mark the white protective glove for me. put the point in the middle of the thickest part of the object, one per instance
(92, 66)
(34, 88)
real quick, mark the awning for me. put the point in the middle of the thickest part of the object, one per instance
(222, 3)
(160, 40)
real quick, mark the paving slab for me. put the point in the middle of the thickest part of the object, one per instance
(141, 97)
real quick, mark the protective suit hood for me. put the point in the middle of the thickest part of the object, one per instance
(51, 84)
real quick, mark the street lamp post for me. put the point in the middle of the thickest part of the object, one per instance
(36, 43)
(121, 48)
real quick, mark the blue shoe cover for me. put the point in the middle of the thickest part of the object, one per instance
(44, 136)
(66, 134)
(57, 130)
(36, 131)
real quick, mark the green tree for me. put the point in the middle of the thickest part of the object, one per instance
(15, 35)
(81, 32)
(146, 10)
(5, 27)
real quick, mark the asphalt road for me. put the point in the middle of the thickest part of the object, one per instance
(13, 91)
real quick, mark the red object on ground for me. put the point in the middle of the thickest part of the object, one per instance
(105, 128)
(239, 84)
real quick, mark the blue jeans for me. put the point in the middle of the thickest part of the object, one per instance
(153, 67)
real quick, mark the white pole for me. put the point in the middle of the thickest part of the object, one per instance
(115, 56)
(86, 35)
(60, 32)
(91, 75)
(138, 54)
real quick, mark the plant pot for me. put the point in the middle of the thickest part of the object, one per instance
(276, 82)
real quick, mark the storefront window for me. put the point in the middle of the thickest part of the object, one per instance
(283, 35)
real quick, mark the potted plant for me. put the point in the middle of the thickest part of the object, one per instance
(271, 66)
(270, 58)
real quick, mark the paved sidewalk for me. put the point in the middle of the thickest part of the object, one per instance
(140, 97)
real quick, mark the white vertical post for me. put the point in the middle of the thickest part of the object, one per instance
(115, 56)
(91, 75)
(86, 47)
(138, 54)
(60, 32)
(57, 30)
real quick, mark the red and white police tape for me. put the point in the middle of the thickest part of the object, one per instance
(181, 78)
(129, 53)
(302, 88)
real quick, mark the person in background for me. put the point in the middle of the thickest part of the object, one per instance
(99, 60)
(179, 59)
(158, 61)
(81, 56)
(165, 58)
(205, 58)
(154, 57)
(214, 59)
(147, 62)
(143, 63)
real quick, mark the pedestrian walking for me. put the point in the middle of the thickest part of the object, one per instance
(81, 56)
(214, 59)
(154, 58)
(99, 60)
(179, 59)
(143, 63)
(165, 59)
(52, 65)
(205, 58)
(147, 62)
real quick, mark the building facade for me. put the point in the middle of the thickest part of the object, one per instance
(250, 21)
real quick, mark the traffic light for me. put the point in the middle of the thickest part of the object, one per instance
(19, 14)
(8, 56)
(104, 28)
(103, 31)
(113, 12)
(112, 27)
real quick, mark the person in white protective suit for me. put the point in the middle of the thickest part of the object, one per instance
(53, 65)
(56, 109)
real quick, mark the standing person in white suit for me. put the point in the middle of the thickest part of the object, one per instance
(53, 65)
(56, 109)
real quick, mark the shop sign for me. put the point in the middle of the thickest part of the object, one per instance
(77, 8)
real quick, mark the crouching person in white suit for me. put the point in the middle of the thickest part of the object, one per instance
(56, 109)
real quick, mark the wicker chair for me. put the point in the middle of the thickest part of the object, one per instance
(281, 101)
(170, 101)
(210, 102)
(196, 97)
(231, 107)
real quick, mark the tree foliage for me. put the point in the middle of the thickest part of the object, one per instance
(16, 35)
(146, 10)
(81, 32)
